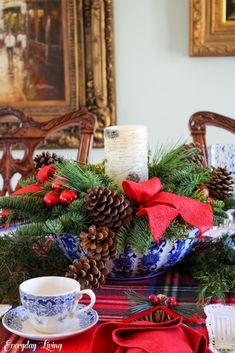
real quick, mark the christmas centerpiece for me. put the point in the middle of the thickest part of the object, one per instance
(76, 220)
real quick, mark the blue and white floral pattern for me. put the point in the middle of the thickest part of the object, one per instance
(158, 258)
(68, 243)
(14, 318)
(48, 306)
(133, 265)
(87, 318)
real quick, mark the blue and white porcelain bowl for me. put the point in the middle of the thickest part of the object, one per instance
(131, 265)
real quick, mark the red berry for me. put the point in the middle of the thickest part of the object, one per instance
(157, 300)
(154, 298)
(172, 301)
(67, 196)
(51, 198)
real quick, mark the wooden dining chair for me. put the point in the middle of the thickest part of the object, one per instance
(30, 133)
(198, 123)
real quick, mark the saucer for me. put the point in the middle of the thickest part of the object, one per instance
(16, 321)
(4, 308)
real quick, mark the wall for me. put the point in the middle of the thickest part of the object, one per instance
(158, 84)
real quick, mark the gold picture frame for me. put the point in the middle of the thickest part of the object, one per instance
(212, 28)
(88, 65)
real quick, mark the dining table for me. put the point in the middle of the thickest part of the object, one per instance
(112, 305)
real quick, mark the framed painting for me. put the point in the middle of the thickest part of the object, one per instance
(212, 28)
(57, 56)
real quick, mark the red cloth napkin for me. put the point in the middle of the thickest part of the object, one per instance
(139, 337)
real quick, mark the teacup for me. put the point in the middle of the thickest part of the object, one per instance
(51, 302)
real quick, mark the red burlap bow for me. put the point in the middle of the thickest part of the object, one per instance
(163, 207)
(43, 175)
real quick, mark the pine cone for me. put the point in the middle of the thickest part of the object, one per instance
(100, 243)
(89, 272)
(197, 155)
(45, 158)
(108, 208)
(220, 185)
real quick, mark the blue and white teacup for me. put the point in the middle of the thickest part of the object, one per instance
(51, 302)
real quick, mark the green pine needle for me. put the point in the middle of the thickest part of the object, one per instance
(31, 180)
(137, 235)
(79, 179)
(168, 159)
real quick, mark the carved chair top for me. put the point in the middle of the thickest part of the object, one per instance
(25, 126)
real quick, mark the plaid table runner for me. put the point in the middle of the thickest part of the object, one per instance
(112, 303)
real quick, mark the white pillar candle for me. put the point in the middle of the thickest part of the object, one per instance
(126, 153)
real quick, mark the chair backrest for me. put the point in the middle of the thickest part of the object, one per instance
(30, 133)
(197, 125)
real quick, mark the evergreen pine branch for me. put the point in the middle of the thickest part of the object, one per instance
(137, 235)
(31, 180)
(122, 237)
(73, 223)
(219, 214)
(230, 203)
(140, 238)
(212, 262)
(214, 284)
(177, 229)
(78, 179)
(24, 263)
(75, 176)
(107, 182)
(168, 159)
(78, 206)
(186, 181)
(10, 219)
(57, 211)
(99, 169)
(53, 226)
(45, 188)
(27, 207)
(34, 230)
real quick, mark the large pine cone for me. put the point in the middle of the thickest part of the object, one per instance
(88, 272)
(197, 155)
(46, 158)
(220, 185)
(100, 243)
(108, 208)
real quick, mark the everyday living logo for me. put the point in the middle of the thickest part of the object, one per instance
(49, 346)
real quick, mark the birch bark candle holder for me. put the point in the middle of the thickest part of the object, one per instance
(126, 153)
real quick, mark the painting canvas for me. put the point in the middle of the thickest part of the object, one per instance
(57, 56)
(230, 10)
(31, 51)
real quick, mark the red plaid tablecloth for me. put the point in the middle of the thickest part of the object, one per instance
(112, 303)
